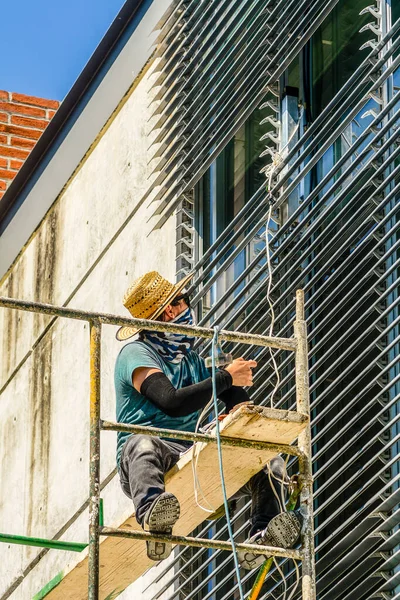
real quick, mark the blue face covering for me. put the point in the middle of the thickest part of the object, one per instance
(173, 347)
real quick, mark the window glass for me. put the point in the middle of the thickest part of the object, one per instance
(226, 187)
(335, 51)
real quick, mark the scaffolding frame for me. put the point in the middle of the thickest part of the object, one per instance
(302, 451)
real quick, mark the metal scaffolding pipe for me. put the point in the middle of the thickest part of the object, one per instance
(306, 496)
(201, 437)
(94, 461)
(200, 542)
(109, 319)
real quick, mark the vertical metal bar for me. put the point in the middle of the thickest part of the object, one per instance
(94, 461)
(303, 406)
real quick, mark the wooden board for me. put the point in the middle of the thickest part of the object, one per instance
(122, 561)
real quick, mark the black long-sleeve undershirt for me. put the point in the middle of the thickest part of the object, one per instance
(187, 400)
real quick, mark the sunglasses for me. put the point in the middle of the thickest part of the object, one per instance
(185, 297)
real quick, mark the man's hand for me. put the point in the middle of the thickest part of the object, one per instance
(241, 371)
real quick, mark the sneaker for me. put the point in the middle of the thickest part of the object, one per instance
(282, 531)
(160, 518)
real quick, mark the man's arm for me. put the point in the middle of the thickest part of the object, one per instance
(140, 374)
(185, 401)
(156, 386)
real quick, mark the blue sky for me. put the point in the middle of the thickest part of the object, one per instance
(45, 45)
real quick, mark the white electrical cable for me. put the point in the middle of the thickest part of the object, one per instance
(195, 458)
(277, 157)
(271, 327)
(281, 504)
(292, 593)
(283, 483)
(277, 160)
(283, 578)
(281, 499)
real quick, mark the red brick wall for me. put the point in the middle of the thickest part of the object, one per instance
(22, 121)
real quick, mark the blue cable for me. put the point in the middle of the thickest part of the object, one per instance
(221, 468)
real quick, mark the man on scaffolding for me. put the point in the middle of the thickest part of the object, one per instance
(161, 382)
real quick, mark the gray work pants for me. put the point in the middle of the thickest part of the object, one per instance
(145, 460)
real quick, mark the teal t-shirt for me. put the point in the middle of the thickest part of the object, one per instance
(136, 409)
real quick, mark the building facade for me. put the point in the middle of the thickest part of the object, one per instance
(258, 144)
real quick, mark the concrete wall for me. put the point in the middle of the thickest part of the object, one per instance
(90, 246)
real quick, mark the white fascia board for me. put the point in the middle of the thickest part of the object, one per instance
(103, 102)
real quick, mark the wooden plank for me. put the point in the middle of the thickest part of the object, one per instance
(122, 561)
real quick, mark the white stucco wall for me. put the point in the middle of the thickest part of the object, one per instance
(92, 244)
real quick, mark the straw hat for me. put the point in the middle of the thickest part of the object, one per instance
(147, 298)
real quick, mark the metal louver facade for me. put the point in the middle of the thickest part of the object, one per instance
(239, 82)
(217, 59)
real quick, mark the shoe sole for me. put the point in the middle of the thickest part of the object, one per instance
(163, 516)
(282, 531)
